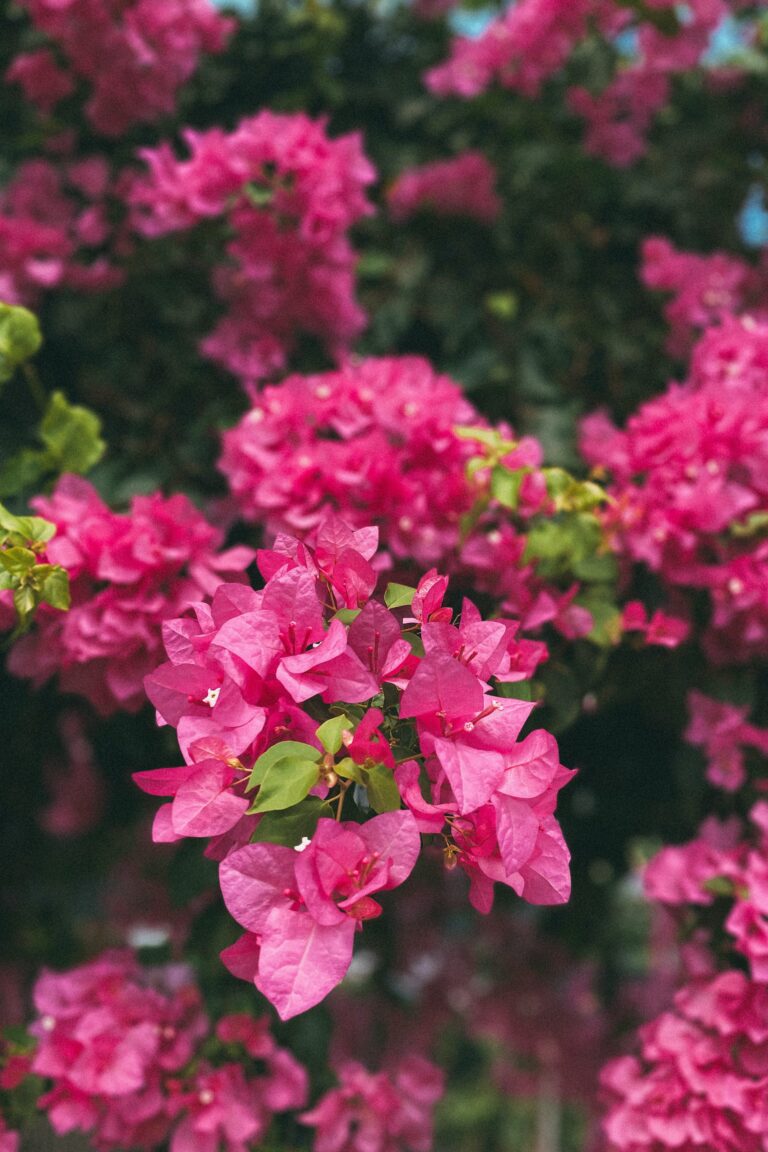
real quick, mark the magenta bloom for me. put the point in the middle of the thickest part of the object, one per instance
(54, 229)
(462, 186)
(296, 700)
(699, 1075)
(152, 50)
(289, 195)
(378, 1112)
(373, 441)
(129, 573)
(303, 906)
(688, 473)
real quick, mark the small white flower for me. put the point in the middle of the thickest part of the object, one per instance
(305, 843)
(211, 696)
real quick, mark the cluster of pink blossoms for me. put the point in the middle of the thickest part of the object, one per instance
(618, 118)
(267, 689)
(705, 290)
(152, 48)
(723, 732)
(289, 195)
(383, 1111)
(376, 441)
(131, 1060)
(520, 49)
(128, 573)
(127, 1051)
(724, 860)
(54, 226)
(700, 1080)
(534, 39)
(463, 186)
(689, 481)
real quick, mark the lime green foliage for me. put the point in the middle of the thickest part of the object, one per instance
(33, 582)
(19, 338)
(284, 776)
(565, 541)
(72, 441)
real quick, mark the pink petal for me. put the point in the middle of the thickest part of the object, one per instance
(532, 767)
(242, 957)
(301, 961)
(253, 880)
(204, 804)
(516, 829)
(395, 836)
(441, 684)
(473, 773)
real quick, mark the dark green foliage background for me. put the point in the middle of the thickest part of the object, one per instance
(541, 317)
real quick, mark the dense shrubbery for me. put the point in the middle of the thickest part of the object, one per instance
(420, 381)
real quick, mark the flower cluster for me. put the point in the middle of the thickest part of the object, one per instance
(699, 1081)
(533, 39)
(128, 573)
(728, 861)
(618, 118)
(133, 1061)
(705, 290)
(386, 1111)
(152, 50)
(690, 483)
(723, 732)
(317, 699)
(463, 186)
(665, 43)
(54, 225)
(520, 49)
(391, 441)
(374, 441)
(289, 195)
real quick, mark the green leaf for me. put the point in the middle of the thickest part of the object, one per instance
(22, 470)
(755, 524)
(503, 305)
(347, 615)
(258, 195)
(24, 603)
(329, 734)
(285, 783)
(19, 338)
(72, 435)
(54, 589)
(349, 770)
(290, 826)
(383, 793)
(505, 485)
(516, 690)
(399, 595)
(719, 886)
(597, 569)
(18, 561)
(487, 436)
(277, 752)
(25, 530)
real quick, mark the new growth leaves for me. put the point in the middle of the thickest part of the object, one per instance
(32, 581)
(69, 433)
